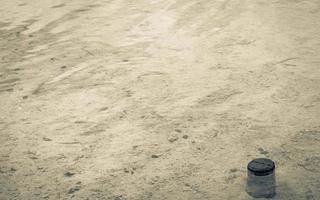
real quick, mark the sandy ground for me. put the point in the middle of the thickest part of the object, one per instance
(158, 99)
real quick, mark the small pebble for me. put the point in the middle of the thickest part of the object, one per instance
(233, 170)
(173, 138)
(263, 151)
(178, 130)
(74, 189)
(104, 108)
(120, 197)
(68, 174)
(46, 139)
(155, 156)
(185, 137)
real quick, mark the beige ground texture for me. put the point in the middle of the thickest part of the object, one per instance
(158, 99)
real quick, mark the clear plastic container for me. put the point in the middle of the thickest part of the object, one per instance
(261, 181)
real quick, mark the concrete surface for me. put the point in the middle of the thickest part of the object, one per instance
(158, 99)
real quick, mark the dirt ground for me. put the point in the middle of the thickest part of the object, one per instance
(158, 99)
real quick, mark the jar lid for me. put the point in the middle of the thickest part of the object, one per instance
(261, 166)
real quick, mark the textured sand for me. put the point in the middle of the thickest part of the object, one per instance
(158, 99)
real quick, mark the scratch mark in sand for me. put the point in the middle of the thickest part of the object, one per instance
(285, 60)
(74, 70)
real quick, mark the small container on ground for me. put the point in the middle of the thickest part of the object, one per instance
(261, 181)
